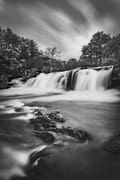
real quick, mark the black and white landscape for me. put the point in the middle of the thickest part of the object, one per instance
(59, 90)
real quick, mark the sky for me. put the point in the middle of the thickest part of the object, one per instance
(66, 24)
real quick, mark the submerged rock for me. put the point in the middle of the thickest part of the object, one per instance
(19, 109)
(47, 122)
(45, 136)
(113, 144)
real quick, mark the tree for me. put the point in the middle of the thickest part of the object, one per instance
(112, 49)
(53, 53)
(87, 54)
(94, 50)
(71, 64)
(98, 43)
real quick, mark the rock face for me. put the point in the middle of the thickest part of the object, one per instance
(49, 124)
(115, 83)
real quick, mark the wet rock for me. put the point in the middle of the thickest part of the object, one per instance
(82, 135)
(19, 109)
(55, 116)
(46, 123)
(113, 145)
(38, 170)
(75, 133)
(36, 126)
(43, 123)
(46, 120)
(36, 155)
(45, 136)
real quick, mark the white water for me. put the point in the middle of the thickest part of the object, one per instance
(79, 80)
(77, 85)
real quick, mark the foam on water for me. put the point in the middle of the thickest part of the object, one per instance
(73, 85)
(101, 96)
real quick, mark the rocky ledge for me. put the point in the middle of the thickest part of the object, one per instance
(50, 125)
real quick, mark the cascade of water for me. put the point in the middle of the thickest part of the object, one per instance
(77, 79)
(47, 81)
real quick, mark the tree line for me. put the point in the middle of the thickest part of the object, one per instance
(103, 49)
(21, 57)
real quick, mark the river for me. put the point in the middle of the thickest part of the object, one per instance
(96, 112)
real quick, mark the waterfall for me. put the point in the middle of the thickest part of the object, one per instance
(77, 79)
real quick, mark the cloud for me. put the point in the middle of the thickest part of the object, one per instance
(56, 28)
(1, 5)
(66, 24)
(109, 9)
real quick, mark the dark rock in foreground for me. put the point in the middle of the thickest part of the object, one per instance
(113, 145)
(48, 124)
(45, 136)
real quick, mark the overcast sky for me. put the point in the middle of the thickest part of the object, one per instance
(66, 24)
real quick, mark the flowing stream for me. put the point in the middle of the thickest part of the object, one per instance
(77, 79)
